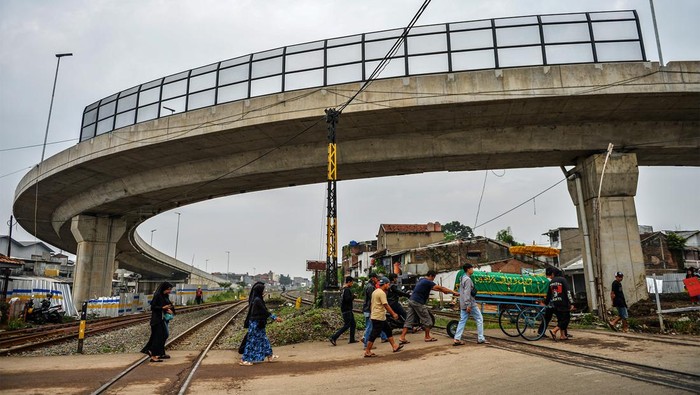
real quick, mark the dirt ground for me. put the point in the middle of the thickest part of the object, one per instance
(318, 367)
(643, 316)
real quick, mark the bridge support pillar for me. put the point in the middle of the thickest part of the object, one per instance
(94, 267)
(609, 226)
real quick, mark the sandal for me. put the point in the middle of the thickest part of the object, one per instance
(245, 363)
(458, 343)
(432, 339)
(403, 341)
(370, 355)
(399, 348)
(271, 357)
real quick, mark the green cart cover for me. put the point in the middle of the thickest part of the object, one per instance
(510, 284)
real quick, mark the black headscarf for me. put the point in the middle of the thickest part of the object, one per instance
(257, 311)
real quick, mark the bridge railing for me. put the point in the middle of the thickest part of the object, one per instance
(590, 37)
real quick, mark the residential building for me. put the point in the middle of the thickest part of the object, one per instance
(569, 241)
(394, 237)
(444, 255)
(357, 258)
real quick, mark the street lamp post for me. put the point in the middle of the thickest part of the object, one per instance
(46, 136)
(228, 264)
(53, 92)
(152, 230)
(177, 234)
(206, 265)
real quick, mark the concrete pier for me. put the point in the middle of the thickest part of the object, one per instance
(611, 220)
(97, 239)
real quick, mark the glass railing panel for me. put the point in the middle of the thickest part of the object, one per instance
(471, 39)
(570, 53)
(344, 74)
(203, 81)
(201, 99)
(427, 44)
(303, 79)
(428, 64)
(302, 61)
(473, 60)
(523, 56)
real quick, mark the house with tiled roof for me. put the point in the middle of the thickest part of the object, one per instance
(11, 263)
(393, 237)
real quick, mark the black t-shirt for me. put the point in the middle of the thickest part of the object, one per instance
(558, 294)
(619, 299)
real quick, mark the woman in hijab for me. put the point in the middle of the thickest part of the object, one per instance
(257, 346)
(160, 305)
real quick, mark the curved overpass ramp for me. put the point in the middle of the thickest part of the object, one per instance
(513, 118)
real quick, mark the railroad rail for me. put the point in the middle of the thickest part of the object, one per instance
(190, 370)
(640, 372)
(25, 340)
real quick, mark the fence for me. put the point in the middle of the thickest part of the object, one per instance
(667, 284)
(590, 37)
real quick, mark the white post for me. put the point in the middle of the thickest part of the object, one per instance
(658, 305)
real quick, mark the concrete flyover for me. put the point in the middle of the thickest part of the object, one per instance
(510, 118)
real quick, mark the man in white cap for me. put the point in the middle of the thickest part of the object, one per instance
(618, 301)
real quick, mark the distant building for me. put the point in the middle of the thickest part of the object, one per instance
(357, 258)
(38, 258)
(659, 258)
(444, 255)
(393, 237)
(569, 241)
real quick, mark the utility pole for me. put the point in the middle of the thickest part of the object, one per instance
(332, 116)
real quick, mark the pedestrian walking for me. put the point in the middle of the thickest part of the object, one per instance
(417, 310)
(160, 304)
(379, 309)
(370, 287)
(394, 294)
(468, 305)
(618, 301)
(690, 273)
(561, 301)
(346, 301)
(257, 346)
(199, 296)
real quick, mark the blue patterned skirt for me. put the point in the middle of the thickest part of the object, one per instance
(258, 346)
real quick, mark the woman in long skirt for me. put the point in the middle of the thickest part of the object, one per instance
(160, 304)
(257, 346)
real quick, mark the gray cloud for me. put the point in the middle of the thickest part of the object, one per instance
(119, 44)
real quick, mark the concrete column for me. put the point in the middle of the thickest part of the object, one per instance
(94, 267)
(614, 231)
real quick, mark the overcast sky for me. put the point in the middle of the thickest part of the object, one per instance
(119, 44)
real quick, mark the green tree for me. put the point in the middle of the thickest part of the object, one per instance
(455, 230)
(505, 236)
(676, 244)
(225, 284)
(285, 280)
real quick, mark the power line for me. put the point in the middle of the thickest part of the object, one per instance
(35, 145)
(387, 58)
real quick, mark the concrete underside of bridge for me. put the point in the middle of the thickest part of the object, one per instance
(510, 118)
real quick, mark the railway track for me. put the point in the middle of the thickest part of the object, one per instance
(640, 372)
(26, 340)
(185, 377)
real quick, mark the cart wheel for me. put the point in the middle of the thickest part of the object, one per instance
(452, 328)
(508, 319)
(531, 323)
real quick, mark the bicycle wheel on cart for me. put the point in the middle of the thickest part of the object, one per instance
(508, 319)
(531, 324)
